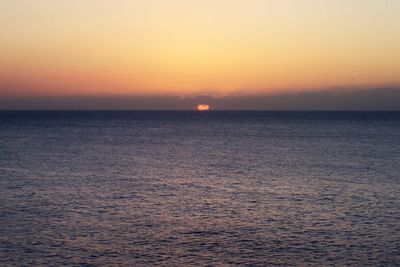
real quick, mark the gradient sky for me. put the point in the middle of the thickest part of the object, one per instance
(182, 47)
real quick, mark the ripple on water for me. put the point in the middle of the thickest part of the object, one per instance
(174, 189)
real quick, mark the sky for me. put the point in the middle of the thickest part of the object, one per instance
(180, 48)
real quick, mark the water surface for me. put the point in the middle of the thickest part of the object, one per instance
(189, 188)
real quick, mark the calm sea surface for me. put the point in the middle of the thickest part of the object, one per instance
(196, 189)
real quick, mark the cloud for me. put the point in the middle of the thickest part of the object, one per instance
(334, 99)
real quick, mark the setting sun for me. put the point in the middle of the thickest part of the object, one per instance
(203, 107)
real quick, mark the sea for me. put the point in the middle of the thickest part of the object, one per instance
(188, 188)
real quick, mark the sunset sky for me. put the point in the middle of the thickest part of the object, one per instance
(193, 47)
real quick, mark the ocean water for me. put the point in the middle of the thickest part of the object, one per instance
(199, 189)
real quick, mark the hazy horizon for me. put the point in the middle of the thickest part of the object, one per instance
(333, 99)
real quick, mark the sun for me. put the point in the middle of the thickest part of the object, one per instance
(203, 107)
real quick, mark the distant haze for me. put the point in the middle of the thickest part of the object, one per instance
(371, 99)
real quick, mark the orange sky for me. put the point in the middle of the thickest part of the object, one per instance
(92, 47)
